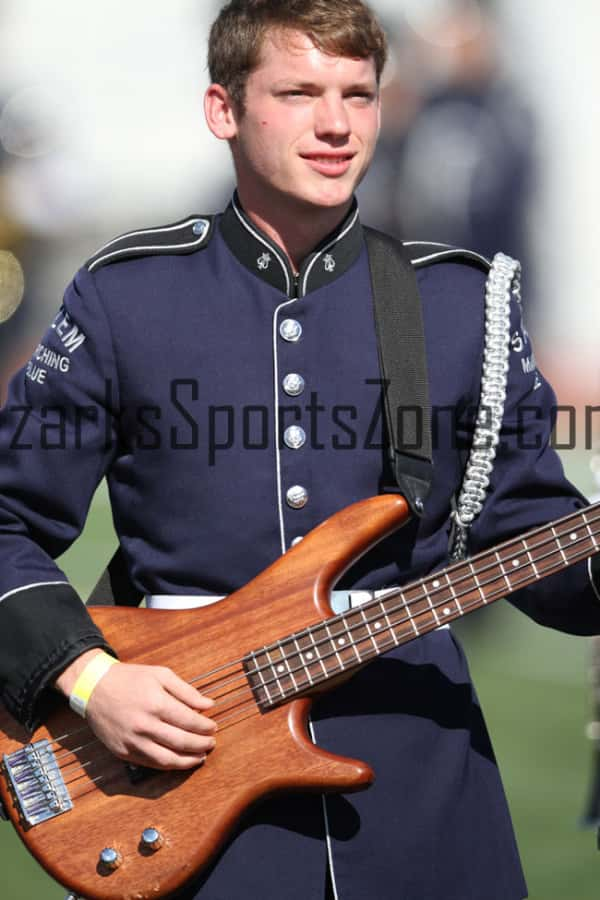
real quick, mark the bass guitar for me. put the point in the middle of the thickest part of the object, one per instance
(107, 831)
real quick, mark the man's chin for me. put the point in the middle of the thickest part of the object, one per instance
(326, 197)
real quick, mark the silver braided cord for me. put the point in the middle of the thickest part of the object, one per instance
(504, 281)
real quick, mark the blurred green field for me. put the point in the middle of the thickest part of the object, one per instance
(532, 686)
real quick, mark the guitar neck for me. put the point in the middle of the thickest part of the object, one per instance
(301, 661)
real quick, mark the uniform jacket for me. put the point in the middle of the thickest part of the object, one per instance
(168, 373)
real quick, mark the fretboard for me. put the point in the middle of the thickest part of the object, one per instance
(328, 649)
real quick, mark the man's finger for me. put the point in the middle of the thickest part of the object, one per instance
(185, 692)
(175, 713)
(183, 743)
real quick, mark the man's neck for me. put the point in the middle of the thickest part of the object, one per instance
(296, 231)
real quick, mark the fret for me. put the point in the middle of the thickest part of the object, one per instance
(579, 544)
(504, 575)
(391, 630)
(531, 559)
(406, 607)
(557, 539)
(334, 647)
(444, 593)
(263, 684)
(353, 625)
(590, 532)
(307, 654)
(345, 639)
(476, 580)
(367, 623)
(454, 597)
(281, 667)
(428, 598)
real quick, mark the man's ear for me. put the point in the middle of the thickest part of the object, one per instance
(219, 112)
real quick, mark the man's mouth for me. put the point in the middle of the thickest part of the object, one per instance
(329, 163)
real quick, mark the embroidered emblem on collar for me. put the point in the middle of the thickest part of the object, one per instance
(263, 262)
(329, 263)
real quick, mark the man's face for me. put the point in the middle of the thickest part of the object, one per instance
(310, 124)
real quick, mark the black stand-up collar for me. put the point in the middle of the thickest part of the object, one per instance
(258, 253)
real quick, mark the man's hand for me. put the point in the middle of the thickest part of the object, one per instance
(146, 715)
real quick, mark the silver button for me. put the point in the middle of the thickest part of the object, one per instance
(294, 437)
(199, 227)
(294, 385)
(110, 858)
(290, 330)
(296, 541)
(152, 839)
(297, 497)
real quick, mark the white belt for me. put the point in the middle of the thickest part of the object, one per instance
(341, 601)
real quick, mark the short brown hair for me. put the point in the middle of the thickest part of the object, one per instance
(339, 27)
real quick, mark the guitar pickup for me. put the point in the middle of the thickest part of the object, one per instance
(36, 783)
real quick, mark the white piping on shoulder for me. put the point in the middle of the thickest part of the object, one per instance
(444, 254)
(277, 447)
(127, 234)
(336, 240)
(28, 587)
(145, 247)
(270, 248)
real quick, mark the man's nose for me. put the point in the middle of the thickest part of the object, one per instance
(331, 118)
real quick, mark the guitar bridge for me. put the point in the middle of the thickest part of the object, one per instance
(36, 783)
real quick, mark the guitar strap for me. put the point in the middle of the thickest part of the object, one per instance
(403, 364)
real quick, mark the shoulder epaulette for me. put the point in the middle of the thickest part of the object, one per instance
(424, 253)
(187, 236)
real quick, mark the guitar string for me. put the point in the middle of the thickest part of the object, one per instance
(365, 621)
(402, 608)
(119, 763)
(242, 679)
(498, 562)
(468, 576)
(390, 643)
(252, 713)
(250, 704)
(568, 520)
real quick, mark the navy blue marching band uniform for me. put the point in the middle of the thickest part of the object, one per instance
(179, 358)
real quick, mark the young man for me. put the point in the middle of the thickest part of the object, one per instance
(269, 307)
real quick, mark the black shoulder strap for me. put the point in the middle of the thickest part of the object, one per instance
(401, 340)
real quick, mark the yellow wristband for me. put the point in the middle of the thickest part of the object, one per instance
(87, 681)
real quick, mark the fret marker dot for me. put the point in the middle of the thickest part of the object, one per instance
(447, 611)
(573, 536)
(436, 583)
(310, 656)
(342, 641)
(281, 668)
(516, 563)
(377, 625)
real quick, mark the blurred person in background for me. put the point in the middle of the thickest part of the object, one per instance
(272, 298)
(455, 162)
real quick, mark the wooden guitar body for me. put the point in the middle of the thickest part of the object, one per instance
(259, 751)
